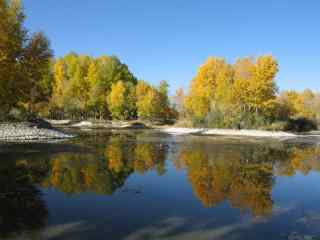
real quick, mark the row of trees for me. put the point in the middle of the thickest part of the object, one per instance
(81, 84)
(104, 87)
(75, 86)
(243, 94)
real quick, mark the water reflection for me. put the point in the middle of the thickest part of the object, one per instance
(22, 208)
(243, 175)
(105, 170)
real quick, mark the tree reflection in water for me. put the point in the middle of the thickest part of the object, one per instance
(241, 174)
(22, 208)
(107, 169)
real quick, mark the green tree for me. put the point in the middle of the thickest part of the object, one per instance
(23, 59)
(36, 67)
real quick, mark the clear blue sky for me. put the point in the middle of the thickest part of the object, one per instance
(169, 39)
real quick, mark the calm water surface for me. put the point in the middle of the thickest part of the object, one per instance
(134, 185)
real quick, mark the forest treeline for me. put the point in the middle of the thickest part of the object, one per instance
(245, 95)
(102, 88)
(222, 95)
(33, 82)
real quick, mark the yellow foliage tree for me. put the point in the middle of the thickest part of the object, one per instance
(221, 92)
(152, 103)
(122, 100)
(243, 71)
(263, 88)
(59, 78)
(203, 86)
(299, 103)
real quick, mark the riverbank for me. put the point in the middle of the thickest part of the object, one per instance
(228, 132)
(134, 124)
(44, 131)
(172, 130)
(26, 131)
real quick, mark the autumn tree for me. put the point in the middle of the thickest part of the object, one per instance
(82, 84)
(36, 66)
(243, 75)
(166, 112)
(153, 102)
(120, 101)
(59, 81)
(303, 104)
(262, 89)
(24, 60)
(203, 87)
(229, 95)
(148, 106)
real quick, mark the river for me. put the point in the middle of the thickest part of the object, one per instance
(142, 184)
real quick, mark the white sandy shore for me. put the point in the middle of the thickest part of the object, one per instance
(108, 124)
(58, 122)
(228, 132)
(83, 124)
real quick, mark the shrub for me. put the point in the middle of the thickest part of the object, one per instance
(301, 125)
(198, 122)
(250, 120)
(276, 126)
(16, 114)
(215, 119)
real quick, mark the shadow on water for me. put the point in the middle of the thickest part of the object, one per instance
(22, 208)
(219, 172)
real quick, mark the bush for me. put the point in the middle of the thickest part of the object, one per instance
(215, 119)
(239, 120)
(16, 115)
(301, 125)
(276, 126)
(250, 120)
(199, 122)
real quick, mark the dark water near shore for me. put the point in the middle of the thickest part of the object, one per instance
(144, 185)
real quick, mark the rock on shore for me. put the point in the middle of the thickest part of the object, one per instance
(29, 131)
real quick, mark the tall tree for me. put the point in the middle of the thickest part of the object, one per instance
(120, 102)
(59, 81)
(263, 88)
(203, 87)
(243, 72)
(36, 66)
(23, 59)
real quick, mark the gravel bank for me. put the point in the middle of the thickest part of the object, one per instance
(28, 131)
